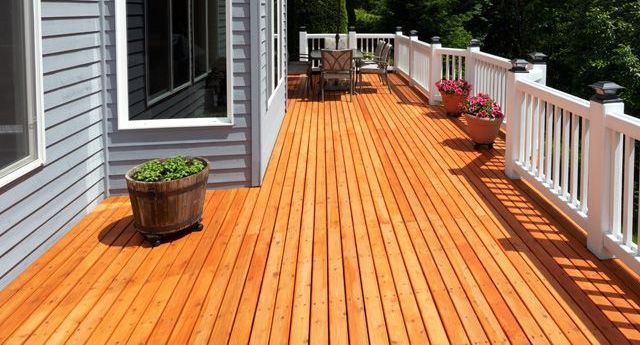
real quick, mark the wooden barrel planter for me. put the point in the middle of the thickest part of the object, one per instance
(161, 209)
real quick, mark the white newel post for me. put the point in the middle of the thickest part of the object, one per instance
(470, 62)
(413, 35)
(599, 194)
(538, 63)
(353, 38)
(436, 70)
(303, 49)
(513, 113)
(396, 49)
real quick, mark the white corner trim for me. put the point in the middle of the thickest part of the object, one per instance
(35, 92)
(122, 80)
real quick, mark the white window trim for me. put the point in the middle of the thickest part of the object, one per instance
(35, 104)
(276, 71)
(122, 80)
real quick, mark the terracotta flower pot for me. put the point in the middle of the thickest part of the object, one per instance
(483, 131)
(453, 103)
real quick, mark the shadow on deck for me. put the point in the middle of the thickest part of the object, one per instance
(377, 222)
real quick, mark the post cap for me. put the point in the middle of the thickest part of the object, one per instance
(413, 33)
(519, 66)
(538, 58)
(352, 28)
(474, 43)
(303, 28)
(398, 28)
(606, 92)
(435, 39)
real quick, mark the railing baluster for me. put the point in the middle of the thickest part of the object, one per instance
(535, 136)
(522, 111)
(575, 157)
(617, 149)
(584, 183)
(528, 132)
(629, 189)
(566, 118)
(541, 140)
(549, 152)
(557, 142)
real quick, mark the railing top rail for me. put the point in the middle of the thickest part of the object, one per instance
(452, 51)
(403, 37)
(625, 124)
(325, 35)
(359, 35)
(422, 45)
(493, 60)
(561, 99)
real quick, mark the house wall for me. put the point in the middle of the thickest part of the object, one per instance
(87, 156)
(39, 208)
(228, 147)
(271, 109)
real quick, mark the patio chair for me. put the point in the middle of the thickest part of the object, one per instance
(379, 66)
(377, 54)
(337, 65)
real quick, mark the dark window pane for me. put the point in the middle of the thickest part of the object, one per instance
(14, 118)
(195, 46)
(200, 37)
(215, 88)
(180, 38)
(158, 38)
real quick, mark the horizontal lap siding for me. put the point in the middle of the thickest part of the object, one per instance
(228, 148)
(39, 208)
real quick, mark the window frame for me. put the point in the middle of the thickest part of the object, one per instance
(122, 80)
(35, 97)
(275, 70)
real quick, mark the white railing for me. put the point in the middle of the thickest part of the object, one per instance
(623, 131)
(421, 65)
(553, 145)
(490, 76)
(367, 43)
(580, 155)
(402, 54)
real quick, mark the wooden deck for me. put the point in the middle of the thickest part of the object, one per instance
(377, 223)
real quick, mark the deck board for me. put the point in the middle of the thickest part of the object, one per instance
(377, 222)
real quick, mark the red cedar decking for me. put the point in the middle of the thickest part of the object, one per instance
(377, 222)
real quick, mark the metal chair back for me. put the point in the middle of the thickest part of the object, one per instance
(337, 60)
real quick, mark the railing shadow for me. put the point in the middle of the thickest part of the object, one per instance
(601, 294)
(554, 250)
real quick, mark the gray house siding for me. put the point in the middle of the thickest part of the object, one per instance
(87, 156)
(39, 208)
(228, 148)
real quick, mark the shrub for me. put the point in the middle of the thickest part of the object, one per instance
(169, 169)
(454, 87)
(482, 106)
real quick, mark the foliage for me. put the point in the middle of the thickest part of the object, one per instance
(454, 87)
(168, 169)
(586, 41)
(319, 16)
(482, 106)
(368, 22)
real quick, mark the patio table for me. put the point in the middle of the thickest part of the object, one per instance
(316, 55)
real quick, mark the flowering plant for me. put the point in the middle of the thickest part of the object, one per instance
(454, 87)
(482, 106)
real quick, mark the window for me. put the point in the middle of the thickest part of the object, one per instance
(276, 45)
(177, 73)
(21, 121)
